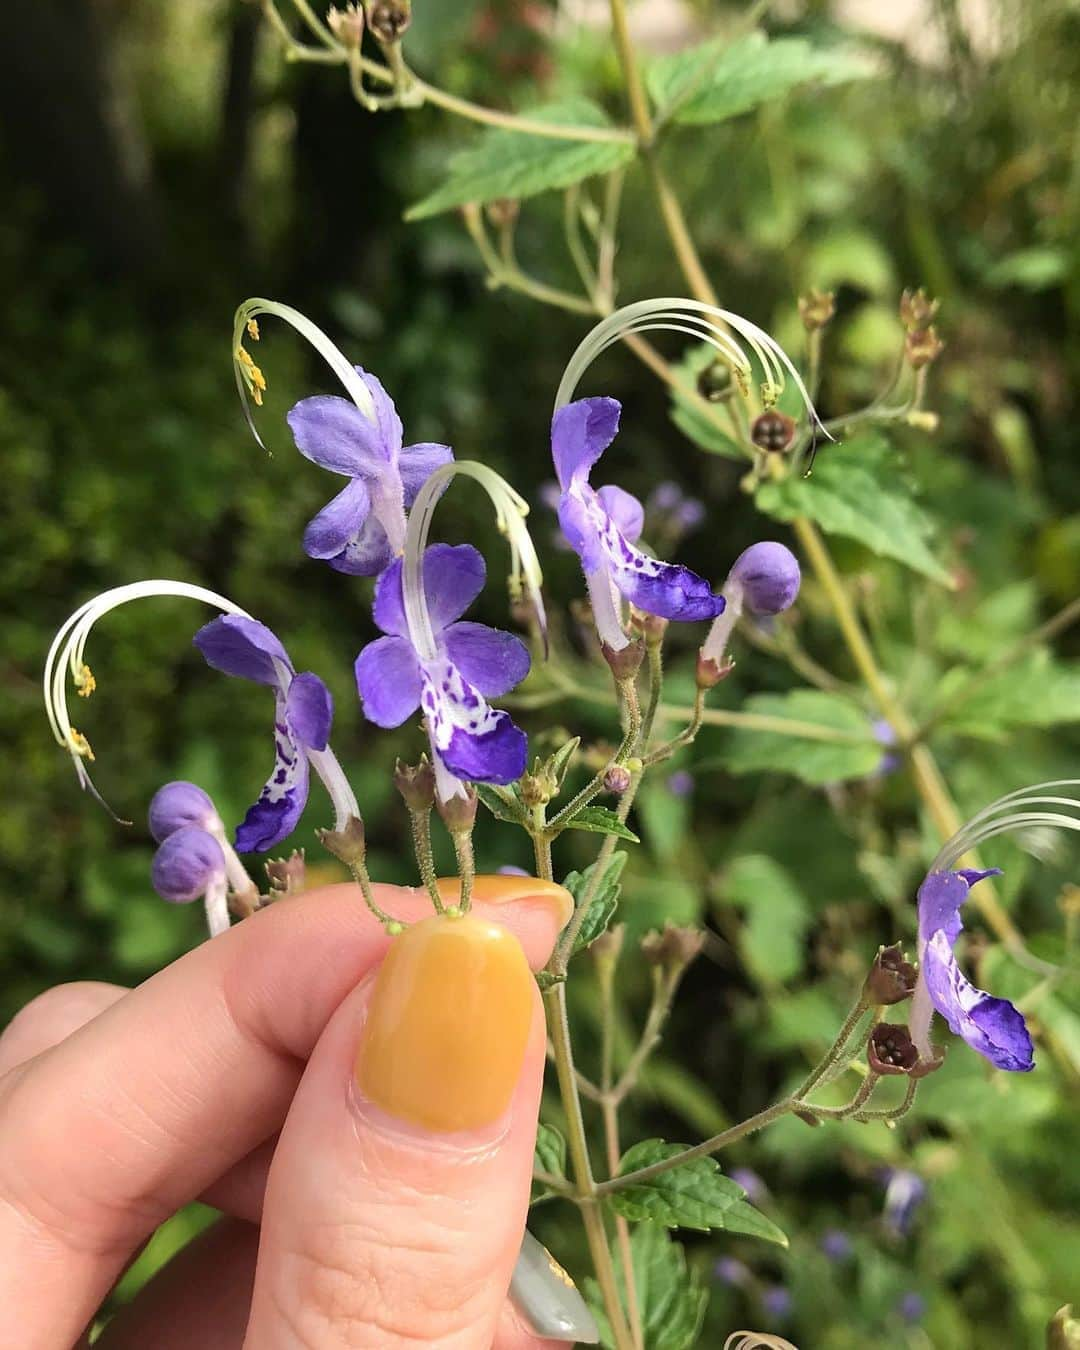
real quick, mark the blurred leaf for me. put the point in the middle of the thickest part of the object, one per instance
(851, 257)
(721, 79)
(548, 1156)
(671, 1298)
(605, 901)
(777, 916)
(695, 1195)
(601, 820)
(856, 491)
(665, 817)
(1033, 269)
(510, 164)
(1038, 692)
(815, 761)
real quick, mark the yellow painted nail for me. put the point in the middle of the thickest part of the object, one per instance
(447, 1025)
(502, 889)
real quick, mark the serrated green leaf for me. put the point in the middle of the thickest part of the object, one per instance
(671, 1298)
(560, 760)
(1038, 692)
(777, 915)
(695, 1195)
(853, 754)
(856, 491)
(604, 902)
(549, 1155)
(721, 79)
(503, 803)
(515, 165)
(601, 820)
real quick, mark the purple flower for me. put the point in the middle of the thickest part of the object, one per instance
(905, 1192)
(602, 527)
(776, 1303)
(731, 1271)
(470, 740)
(187, 865)
(764, 578)
(363, 528)
(681, 783)
(992, 1026)
(912, 1307)
(836, 1244)
(179, 804)
(303, 711)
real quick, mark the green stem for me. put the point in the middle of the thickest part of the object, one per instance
(627, 696)
(420, 820)
(655, 653)
(685, 737)
(363, 880)
(528, 126)
(836, 1050)
(663, 994)
(466, 861)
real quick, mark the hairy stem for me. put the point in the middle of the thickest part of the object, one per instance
(420, 821)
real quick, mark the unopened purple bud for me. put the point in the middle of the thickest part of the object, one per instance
(177, 805)
(767, 575)
(836, 1244)
(186, 865)
(912, 1307)
(729, 1270)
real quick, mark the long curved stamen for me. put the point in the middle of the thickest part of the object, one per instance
(705, 323)
(510, 512)
(991, 821)
(249, 378)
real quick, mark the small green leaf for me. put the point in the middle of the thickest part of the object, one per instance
(560, 760)
(856, 491)
(671, 1299)
(721, 79)
(605, 898)
(804, 751)
(601, 820)
(502, 802)
(695, 1195)
(516, 165)
(548, 1156)
(771, 939)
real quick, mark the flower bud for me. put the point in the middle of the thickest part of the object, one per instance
(674, 948)
(539, 786)
(626, 662)
(773, 431)
(287, 876)
(768, 575)
(651, 626)
(187, 864)
(347, 24)
(349, 844)
(922, 346)
(816, 308)
(916, 309)
(458, 813)
(388, 19)
(617, 779)
(416, 783)
(892, 979)
(890, 1050)
(177, 805)
(709, 673)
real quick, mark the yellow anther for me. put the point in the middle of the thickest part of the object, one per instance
(253, 329)
(253, 376)
(80, 745)
(742, 379)
(85, 684)
(769, 394)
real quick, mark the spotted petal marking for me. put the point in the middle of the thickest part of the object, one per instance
(276, 813)
(475, 741)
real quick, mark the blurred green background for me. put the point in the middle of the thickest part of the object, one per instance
(161, 162)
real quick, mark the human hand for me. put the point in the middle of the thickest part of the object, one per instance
(365, 1122)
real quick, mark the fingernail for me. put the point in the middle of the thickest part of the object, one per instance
(547, 1298)
(447, 1025)
(503, 889)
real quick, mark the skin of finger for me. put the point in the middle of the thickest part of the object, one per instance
(51, 1017)
(378, 1236)
(203, 1296)
(113, 1129)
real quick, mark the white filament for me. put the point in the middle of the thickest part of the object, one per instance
(756, 1340)
(1014, 811)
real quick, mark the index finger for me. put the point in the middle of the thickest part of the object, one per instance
(109, 1132)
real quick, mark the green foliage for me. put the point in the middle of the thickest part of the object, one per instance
(601, 820)
(721, 79)
(672, 1298)
(1038, 692)
(503, 803)
(806, 750)
(605, 901)
(549, 1156)
(856, 491)
(695, 1195)
(777, 916)
(513, 165)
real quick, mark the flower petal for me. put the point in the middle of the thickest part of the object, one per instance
(333, 433)
(390, 429)
(489, 659)
(366, 554)
(281, 803)
(939, 900)
(338, 522)
(472, 739)
(417, 463)
(667, 589)
(388, 680)
(309, 711)
(992, 1026)
(625, 510)
(579, 528)
(453, 578)
(580, 433)
(239, 646)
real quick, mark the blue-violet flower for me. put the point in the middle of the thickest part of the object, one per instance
(603, 525)
(470, 740)
(303, 712)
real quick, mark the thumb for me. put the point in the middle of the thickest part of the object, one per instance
(397, 1197)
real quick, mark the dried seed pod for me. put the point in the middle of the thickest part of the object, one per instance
(773, 431)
